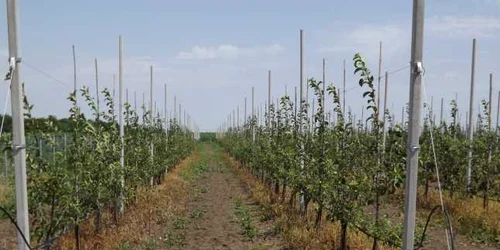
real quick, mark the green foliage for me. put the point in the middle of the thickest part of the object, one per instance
(347, 167)
(207, 136)
(68, 182)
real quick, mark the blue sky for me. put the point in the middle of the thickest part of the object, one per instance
(210, 53)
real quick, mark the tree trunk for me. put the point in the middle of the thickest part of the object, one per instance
(377, 215)
(319, 216)
(343, 236)
(292, 198)
(98, 220)
(307, 200)
(283, 191)
(485, 194)
(77, 237)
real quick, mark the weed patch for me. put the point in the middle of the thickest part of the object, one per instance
(174, 239)
(244, 219)
(180, 222)
(197, 213)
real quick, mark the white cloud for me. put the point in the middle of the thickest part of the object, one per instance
(367, 35)
(227, 51)
(365, 39)
(473, 26)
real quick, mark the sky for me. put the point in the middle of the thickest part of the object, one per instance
(211, 53)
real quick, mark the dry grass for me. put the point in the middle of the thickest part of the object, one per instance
(6, 192)
(297, 232)
(468, 215)
(7, 231)
(144, 220)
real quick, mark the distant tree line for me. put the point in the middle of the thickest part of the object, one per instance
(207, 136)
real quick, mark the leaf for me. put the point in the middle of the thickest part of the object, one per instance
(361, 82)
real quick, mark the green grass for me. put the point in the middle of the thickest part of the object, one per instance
(193, 172)
(244, 219)
(174, 239)
(180, 222)
(151, 244)
(197, 213)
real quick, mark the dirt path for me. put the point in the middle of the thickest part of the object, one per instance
(215, 222)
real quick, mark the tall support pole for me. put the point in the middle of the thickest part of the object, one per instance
(343, 89)
(114, 94)
(151, 94)
(264, 118)
(135, 101)
(311, 123)
(234, 118)
(165, 107)
(295, 103)
(383, 112)
(490, 147)
(97, 87)
(151, 116)
(262, 113)
(238, 116)
(441, 111)
(324, 85)
(432, 111)
(301, 118)
(379, 78)
(74, 72)
(498, 112)
(120, 118)
(470, 127)
(253, 115)
(175, 108)
(128, 103)
(413, 146)
(403, 117)
(268, 120)
(466, 120)
(144, 101)
(322, 131)
(245, 113)
(18, 140)
(490, 101)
